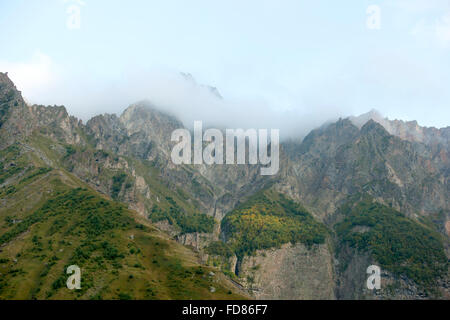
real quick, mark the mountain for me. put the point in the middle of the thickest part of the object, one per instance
(406, 130)
(353, 193)
(51, 219)
(341, 160)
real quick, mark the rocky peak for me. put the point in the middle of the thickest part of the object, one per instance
(6, 85)
(9, 96)
(146, 112)
(213, 90)
(406, 130)
(101, 125)
(361, 120)
(108, 132)
(17, 119)
(147, 124)
(373, 128)
(141, 131)
(14, 113)
(328, 138)
(56, 117)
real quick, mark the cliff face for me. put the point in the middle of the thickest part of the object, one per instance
(341, 160)
(352, 278)
(127, 157)
(407, 130)
(293, 272)
(15, 116)
(18, 120)
(144, 133)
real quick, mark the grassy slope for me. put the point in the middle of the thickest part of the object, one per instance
(269, 219)
(397, 243)
(50, 219)
(163, 203)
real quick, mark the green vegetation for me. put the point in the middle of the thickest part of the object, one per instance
(117, 182)
(77, 226)
(98, 215)
(10, 162)
(397, 243)
(188, 223)
(15, 165)
(52, 221)
(4, 191)
(4, 111)
(70, 150)
(219, 248)
(35, 173)
(219, 254)
(268, 220)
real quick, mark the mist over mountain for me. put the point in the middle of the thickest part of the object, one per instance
(181, 95)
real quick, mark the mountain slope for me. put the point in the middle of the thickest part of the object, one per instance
(50, 220)
(411, 253)
(341, 160)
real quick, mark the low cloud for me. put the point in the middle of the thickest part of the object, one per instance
(43, 82)
(86, 94)
(33, 76)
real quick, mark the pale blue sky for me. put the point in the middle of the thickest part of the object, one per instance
(289, 60)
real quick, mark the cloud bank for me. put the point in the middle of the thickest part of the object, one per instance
(42, 82)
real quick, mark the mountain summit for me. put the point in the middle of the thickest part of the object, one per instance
(406, 130)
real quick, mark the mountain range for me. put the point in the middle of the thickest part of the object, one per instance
(105, 196)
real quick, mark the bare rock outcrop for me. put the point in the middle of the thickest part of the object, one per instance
(292, 272)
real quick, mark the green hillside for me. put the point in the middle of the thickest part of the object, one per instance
(49, 220)
(397, 243)
(267, 220)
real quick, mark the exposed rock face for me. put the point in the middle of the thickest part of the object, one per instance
(196, 240)
(144, 123)
(292, 272)
(141, 131)
(341, 160)
(407, 130)
(352, 284)
(17, 119)
(64, 127)
(144, 132)
(108, 132)
(15, 116)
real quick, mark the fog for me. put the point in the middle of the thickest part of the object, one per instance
(86, 94)
(171, 91)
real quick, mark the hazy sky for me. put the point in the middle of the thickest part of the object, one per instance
(286, 64)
